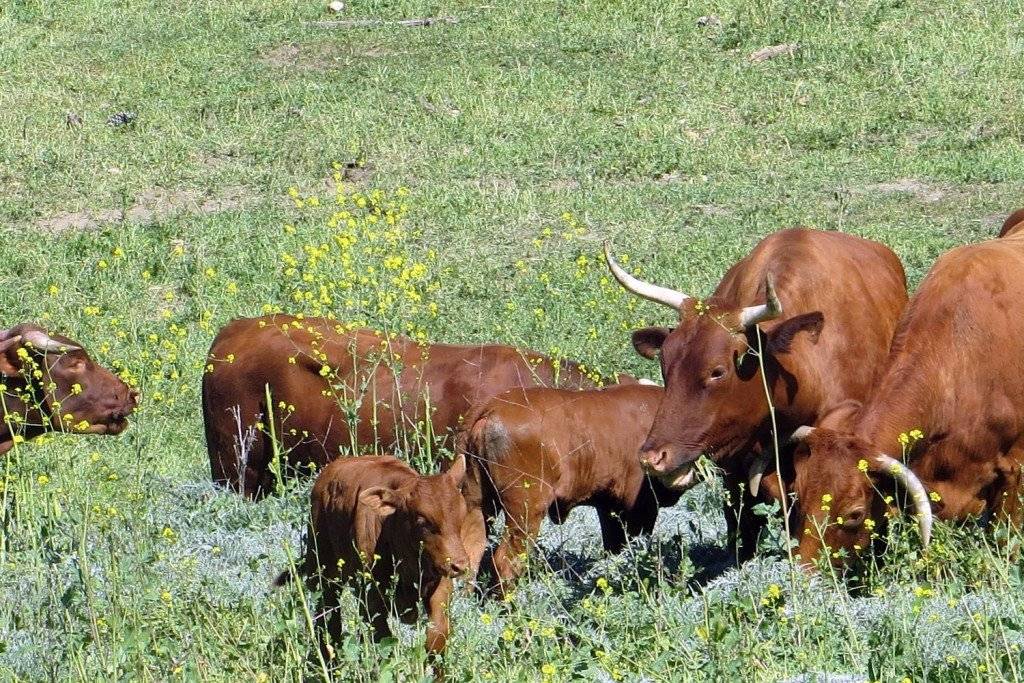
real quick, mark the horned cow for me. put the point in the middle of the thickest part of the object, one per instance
(952, 387)
(816, 309)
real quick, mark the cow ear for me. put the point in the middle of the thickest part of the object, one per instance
(381, 499)
(648, 340)
(840, 417)
(10, 364)
(780, 339)
(457, 470)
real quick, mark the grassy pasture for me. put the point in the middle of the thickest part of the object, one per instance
(517, 140)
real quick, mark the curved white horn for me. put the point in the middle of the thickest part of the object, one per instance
(800, 433)
(661, 295)
(772, 308)
(44, 342)
(756, 473)
(909, 480)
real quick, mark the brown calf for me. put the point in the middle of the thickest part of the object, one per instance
(334, 391)
(393, 535)
(50, 383)
(540, 452)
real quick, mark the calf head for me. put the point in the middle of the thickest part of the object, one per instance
(433, 510)
(844, 489)
(58, 386)
(714, 395)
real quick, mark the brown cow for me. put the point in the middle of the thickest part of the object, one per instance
(842, 296)
(323, 379)
(393, 535)
(954, 375)
(1013, 224)
(50, 383)
(537, 452)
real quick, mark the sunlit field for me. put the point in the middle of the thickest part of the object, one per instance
(455, 183)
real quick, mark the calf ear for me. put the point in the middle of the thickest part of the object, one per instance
(381, 499)
(457, 470)
(781, 337)
(10, 364)
(648, 340)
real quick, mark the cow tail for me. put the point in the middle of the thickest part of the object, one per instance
(483, 440)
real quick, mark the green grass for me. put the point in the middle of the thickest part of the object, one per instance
(626, 117)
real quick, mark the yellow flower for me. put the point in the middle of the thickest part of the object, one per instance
(548, 669)
(486, 619)
(862, 465)
(43, 480)
(165, 597)
(508, 635)
(935, 497)
(325, 370)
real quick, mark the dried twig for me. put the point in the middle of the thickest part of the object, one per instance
(367, 23)
(773, 51)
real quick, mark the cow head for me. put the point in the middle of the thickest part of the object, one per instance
(714, 393)
(434, 509)
(844, 489)
(52, 383)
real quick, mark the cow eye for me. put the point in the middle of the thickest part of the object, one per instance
(425, 524)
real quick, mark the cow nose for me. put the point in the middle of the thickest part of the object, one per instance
(458, 567)
(654, 457)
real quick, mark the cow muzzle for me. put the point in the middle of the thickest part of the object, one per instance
(457, 566)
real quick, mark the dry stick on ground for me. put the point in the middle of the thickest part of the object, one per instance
(366, 23)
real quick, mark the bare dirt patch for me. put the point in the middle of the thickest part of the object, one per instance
(153, 205)
(910, 186)
(320, 56)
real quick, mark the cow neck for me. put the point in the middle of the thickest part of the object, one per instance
(900, 405)
(23, 396)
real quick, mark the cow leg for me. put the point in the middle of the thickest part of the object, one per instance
(613, 530)
(331, 633)
(523, 517)
(742, 525)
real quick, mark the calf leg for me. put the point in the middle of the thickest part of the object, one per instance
(474, 539)
(438, 626)
(523, 517)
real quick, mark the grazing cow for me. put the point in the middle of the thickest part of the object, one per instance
(842, 296)
(953, 387)
(537, 451)
(323, 380)
(1013, 224)
(50, 383)
(393, 535)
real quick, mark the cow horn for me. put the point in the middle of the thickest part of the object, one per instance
(909, 480)
(661, 295)
(756, 473)
(772, 308)
(44, 342)
(801, 433)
